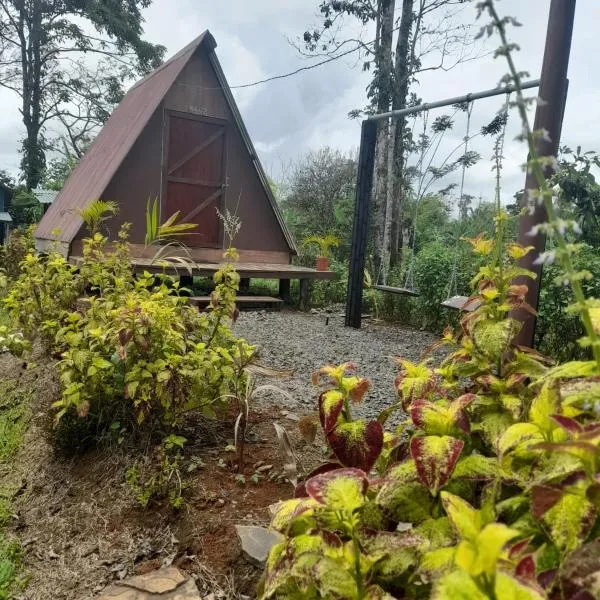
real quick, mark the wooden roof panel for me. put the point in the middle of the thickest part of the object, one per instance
(96, 169)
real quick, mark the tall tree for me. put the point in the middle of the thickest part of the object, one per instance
(54, 53)
(320, 195)
(427, 38)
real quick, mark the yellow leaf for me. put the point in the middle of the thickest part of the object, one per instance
(465, 519)
(595, 316)
(490, 543)
(516, 251)
(481, 245)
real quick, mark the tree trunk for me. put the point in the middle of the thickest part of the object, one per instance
(402, 73)
(384, 65)
(33, 161)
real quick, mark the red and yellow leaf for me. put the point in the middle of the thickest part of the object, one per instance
(435, 458)
(357, 443)
(342, 489)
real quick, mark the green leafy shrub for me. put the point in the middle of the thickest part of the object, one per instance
(132, 351)
(20, 244)
(154, 482)
(558, 329)
(433, 266)
(485, 488)
(43, 296)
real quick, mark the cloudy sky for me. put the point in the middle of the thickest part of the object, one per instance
(289, 117)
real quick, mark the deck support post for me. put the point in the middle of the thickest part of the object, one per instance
(244, 285)
(285, 290)
(305, 294)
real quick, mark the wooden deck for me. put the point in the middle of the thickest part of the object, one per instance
(242, 301)
(245, 270)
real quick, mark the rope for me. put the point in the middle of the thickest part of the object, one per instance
(381, 275)
(453, 284)
(409, 280)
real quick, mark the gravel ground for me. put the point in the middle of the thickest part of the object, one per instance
(304, 342)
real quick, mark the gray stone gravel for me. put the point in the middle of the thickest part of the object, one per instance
(304, 342)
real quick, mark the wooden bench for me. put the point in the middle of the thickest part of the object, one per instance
(242, 301)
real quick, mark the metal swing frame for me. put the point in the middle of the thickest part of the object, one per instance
(364, 185)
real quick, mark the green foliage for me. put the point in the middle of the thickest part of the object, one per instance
(132, 350)
(579, 195)
(11, 559)
(14, 417)
(97, 212)
(501, 447)
(58, 171)
(20, 244)
(44, 294)
(319, 197)
(25, 209)
(159, 479)
(160, 234)
(559, 329)
(323, 242)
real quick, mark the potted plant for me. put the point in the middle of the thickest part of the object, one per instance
(324, 243)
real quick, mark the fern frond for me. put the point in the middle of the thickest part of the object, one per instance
(97, 212)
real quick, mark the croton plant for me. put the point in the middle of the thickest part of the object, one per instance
(488, 488)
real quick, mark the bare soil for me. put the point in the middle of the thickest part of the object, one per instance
(79, 524)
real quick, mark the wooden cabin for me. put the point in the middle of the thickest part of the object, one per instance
(177, 136)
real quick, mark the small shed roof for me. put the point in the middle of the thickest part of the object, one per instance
(5, 217)
(45, 196)
(91, 177)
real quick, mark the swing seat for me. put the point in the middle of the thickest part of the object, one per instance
(461, 303)
(401, 291)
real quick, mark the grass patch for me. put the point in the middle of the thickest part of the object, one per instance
(14, 418)
(11, 565)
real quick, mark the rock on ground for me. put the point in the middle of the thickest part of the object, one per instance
(164, 584)
(304, 342)
(257, 542)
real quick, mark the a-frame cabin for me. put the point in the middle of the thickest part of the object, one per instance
(177, 136)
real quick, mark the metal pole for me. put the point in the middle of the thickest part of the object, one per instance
(548, 116)
(360, 230)
(458, 100)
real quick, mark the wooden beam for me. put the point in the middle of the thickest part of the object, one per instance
(205, 144)
(196, 182)
(202, 206)
(548, 116)
(360, 229)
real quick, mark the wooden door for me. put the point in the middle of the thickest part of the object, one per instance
(195, 176)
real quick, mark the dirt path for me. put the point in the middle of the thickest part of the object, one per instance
(305, 342)
(78, 523)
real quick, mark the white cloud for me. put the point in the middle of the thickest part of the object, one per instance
(291, 116)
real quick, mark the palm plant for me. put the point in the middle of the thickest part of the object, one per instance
(324, 243)
(97, 212)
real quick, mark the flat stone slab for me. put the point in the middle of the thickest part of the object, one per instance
(164, 584)
(257, 542)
